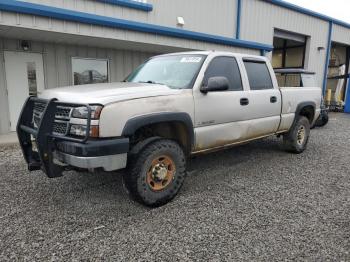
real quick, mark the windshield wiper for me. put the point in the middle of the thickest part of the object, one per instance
(151, 82)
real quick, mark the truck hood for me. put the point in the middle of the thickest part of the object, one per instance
(107, 93)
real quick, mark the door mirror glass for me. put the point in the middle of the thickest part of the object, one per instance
(217, 83)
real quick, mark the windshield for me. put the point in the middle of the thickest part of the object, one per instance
(175, 71)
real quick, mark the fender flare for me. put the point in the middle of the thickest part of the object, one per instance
(305, 104)
(137, 122)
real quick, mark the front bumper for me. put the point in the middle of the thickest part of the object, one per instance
(56, 153)
(109, 154)
(108, 163)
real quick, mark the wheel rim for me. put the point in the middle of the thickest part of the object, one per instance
(160, 173)
(301, 135)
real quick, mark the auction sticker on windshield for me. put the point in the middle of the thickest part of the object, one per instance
(191, 59)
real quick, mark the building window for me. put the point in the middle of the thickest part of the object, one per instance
(288, 53)
(89, 71)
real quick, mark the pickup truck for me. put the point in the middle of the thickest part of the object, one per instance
(170, 108)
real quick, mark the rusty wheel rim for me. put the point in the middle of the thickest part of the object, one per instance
(301, 135)
(160, 173)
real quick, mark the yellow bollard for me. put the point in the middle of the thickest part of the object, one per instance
(328, 96)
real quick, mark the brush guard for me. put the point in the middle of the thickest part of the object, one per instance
(43, 156)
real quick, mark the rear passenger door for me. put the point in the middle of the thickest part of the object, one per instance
(264, 99)
(220, 116)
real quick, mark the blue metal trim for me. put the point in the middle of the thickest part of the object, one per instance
(130, 4)
(238, 21)
(347, 98)
(262, 52)
(329, 45)
(64, 14)
(307, 12)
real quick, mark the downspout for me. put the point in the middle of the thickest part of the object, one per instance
(329, 45)
(238, 21)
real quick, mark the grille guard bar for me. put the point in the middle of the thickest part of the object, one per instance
(43, 158)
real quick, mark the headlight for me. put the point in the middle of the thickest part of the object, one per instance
(82, 112)
(80, 130)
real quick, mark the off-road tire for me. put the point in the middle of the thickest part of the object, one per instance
(291, 140)
(135, 179)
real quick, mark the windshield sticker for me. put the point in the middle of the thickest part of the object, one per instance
(191, 59)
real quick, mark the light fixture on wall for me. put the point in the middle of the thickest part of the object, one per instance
(25, 45)
(320, 48)
(180, 21)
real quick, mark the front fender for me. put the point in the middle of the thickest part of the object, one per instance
(135, 123)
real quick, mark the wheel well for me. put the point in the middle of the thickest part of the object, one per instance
(173, 130)
(308, 112)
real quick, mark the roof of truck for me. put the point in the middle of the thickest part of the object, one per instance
(219, 53)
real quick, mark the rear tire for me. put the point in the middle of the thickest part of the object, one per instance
(156, 173)
(295, 141)
(323, 120)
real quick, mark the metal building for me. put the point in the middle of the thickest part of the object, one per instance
(51, 43)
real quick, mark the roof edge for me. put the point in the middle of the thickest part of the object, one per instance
(130, 4)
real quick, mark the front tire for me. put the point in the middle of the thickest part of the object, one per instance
(156, 173)
(296, 139)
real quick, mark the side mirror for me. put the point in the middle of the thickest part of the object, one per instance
(217, 83)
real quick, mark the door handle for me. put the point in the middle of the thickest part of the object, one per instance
(244, 101)
(273, 99)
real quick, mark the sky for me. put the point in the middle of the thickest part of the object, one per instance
(339, 9)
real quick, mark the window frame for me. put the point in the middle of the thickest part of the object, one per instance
(284, 53)
(91, 58)
(257, 61)
(238, 67)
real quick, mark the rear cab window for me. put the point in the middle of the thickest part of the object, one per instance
(258, 75)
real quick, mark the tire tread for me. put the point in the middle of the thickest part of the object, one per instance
(135, 166)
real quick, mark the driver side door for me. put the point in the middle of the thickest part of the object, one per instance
(220, 115)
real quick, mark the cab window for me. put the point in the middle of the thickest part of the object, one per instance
(225, 67)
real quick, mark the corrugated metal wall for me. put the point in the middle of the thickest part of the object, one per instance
(67, 27)
(201, 15)
(259, 19)
(341, 34)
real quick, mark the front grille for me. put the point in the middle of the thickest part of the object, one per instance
(63, 112)
(39, 107)
(60, 128)
(38, 111)
(62, 117)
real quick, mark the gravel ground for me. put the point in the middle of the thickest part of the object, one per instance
(253, 202)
